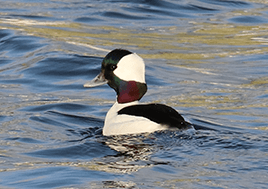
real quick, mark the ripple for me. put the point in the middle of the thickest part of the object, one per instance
(33, 17)
(230, 4)
(249, 19)
(88, 20)
(123, 16)
(17, 45)
(25, 140)
(58, 106)
(86, 150)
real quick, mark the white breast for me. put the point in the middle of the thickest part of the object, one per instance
(124, 124)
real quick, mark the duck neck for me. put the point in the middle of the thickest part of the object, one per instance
(129, 91)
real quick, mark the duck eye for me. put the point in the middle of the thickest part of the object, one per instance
(112, 67)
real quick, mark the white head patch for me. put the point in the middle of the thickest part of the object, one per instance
(131, 68)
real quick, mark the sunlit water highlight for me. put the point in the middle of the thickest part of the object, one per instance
(207, 59)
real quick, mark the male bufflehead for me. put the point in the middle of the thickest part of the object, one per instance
(124, 71)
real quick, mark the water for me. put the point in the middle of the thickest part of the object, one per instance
(207, 59)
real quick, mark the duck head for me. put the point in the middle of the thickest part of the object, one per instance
(123, 71)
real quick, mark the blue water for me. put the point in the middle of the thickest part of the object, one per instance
(205, 58)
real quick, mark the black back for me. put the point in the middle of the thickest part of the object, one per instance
(158, 113)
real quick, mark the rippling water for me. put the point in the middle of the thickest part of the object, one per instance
(205, 58)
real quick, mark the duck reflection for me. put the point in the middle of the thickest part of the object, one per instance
(133, 153)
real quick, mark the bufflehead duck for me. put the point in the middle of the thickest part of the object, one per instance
(124, 71)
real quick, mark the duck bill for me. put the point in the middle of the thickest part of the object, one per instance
(97, 81)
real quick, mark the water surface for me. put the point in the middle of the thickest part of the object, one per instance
(207, 59)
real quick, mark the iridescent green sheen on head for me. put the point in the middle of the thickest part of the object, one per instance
(114, 56)
(107, 61)
(109, 65)
(126, 90)
(114, 83)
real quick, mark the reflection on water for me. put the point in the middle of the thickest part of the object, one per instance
(207, 59)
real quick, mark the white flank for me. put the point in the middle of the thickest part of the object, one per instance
(125, 124)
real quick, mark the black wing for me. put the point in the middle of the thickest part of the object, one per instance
(158, 113)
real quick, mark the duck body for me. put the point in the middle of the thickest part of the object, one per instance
(124, 71)
(119, 124)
